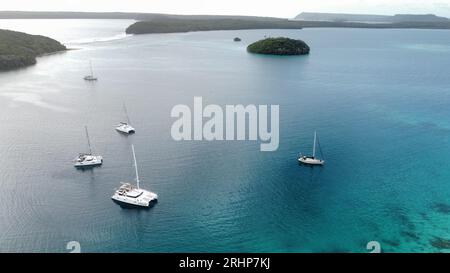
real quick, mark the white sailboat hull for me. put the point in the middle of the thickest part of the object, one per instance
(90, 78)
(311, 161)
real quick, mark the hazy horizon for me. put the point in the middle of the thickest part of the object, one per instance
(284, 8)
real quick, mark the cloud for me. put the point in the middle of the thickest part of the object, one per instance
(279, 8)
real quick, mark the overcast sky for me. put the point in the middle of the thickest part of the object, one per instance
(277, 8)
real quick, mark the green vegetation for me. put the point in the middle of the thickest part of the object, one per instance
(178, 23)
(279, 46)
(19, 49)
(171, 25)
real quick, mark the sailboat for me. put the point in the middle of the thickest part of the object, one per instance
(88, 159)
(312, 160)
(125, 127)
(91, 76)
(129, 194)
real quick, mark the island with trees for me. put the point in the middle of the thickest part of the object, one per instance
(172, 25)
(279, 46)
(19, 49)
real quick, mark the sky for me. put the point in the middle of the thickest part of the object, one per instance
(275, 8)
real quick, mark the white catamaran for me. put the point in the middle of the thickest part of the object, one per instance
(125, 127)
(88, 159)
(129, 194)
(312, 160)
(90, 77)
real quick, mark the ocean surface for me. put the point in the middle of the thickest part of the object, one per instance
(379, 100)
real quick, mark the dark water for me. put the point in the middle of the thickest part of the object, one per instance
(379, 100)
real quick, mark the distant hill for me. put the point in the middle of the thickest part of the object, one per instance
(165, 23)
(399, 25)
(117, 15)
(418, 18)
(367, 18)
(19, 49)
(342, 17)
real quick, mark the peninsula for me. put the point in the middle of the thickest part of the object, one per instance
(279, 46)
(171, 24)
(19, 49)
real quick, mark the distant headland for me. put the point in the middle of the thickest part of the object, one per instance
(171, 25)
(370, 18)
(19, 49)
(400, 21)
(168, 23)
(279, 46)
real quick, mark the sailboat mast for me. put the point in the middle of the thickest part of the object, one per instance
(126, 113)
(90, 65)
(135, 166)
(88, 141)
(314, 147)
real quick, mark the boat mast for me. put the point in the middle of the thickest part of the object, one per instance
(126, 113)
(314, 147)
(89, 142)
(90, 65)
(135, 166)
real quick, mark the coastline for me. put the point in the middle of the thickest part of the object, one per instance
(38, 56)
(19, 49)
(56, 52)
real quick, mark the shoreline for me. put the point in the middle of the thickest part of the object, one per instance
(38, 56)
(306, 27)
(318, 27)
(56, 52)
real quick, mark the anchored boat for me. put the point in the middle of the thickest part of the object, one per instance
(312, 160)
(129, 194)
(91, 76)
(125, 127)
(88, 159)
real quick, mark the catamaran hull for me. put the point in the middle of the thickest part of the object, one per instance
(125, 131)
(125, 128)
(133, 205)
(123, 200)
(88, 165)
(96, 162)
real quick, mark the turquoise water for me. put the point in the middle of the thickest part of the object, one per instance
(379, 100)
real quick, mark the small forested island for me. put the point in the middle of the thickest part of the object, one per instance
(279, 46)
(19, 49)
